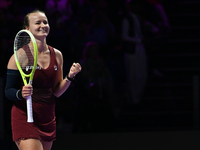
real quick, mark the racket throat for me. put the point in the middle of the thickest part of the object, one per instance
(30, 82)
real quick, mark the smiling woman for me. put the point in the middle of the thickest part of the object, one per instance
(37, 23)
(48, 83)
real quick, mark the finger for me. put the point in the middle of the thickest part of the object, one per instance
(78, 65)
(74, 64)
(28, 86)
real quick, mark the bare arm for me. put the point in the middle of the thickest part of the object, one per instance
(12, 63)
(61, 85)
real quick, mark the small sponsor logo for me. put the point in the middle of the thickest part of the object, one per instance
(39, 68)
(31, 67)
(55, 67)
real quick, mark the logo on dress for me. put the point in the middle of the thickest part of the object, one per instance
(39, 68)
(55, 67)
(31, 67)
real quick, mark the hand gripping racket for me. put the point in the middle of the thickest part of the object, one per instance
(26, 56)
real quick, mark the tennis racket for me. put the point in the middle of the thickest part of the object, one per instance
(26, 56)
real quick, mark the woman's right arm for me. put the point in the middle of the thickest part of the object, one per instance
(13, 89)
(13, 78)
(12, 64)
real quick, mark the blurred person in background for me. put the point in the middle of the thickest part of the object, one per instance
(134, 25)
(95, 112)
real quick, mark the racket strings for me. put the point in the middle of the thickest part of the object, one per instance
(24, 52)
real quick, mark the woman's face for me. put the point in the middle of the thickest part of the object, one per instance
(38, 25)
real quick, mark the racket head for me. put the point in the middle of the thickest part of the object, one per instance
(26, 54)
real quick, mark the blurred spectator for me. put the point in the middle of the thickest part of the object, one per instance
(63, 6)
(95, 70)
(102, 31)
(87, 7)
(59, 33)
(95, 111)
(134, 51)
(78, 41)
(156, 14)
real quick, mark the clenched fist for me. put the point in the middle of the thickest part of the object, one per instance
(75, 68)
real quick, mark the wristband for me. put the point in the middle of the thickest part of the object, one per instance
(19, 95)
(67, 80)
(70, 79)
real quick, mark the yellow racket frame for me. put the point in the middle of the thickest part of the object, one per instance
(35, 57)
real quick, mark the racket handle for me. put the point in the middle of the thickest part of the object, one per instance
(29, 109)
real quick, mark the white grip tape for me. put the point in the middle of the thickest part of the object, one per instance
(29, 109)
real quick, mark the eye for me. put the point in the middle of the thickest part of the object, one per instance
(38, 22)
(45, 22)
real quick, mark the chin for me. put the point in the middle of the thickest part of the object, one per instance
(41, 37)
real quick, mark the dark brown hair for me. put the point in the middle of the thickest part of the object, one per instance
(26, 18)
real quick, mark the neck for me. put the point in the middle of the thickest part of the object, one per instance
(42, 46)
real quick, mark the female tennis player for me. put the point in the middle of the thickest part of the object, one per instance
(48, 83)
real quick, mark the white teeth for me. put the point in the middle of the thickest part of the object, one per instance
(43, 30)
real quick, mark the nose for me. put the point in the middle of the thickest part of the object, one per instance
(42, 24)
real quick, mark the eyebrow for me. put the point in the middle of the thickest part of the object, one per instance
(39, 20)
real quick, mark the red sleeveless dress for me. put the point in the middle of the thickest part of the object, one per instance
(43, 101)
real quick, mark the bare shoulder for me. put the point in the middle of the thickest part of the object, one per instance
(59, 56)
(57, 52)
(12, 63)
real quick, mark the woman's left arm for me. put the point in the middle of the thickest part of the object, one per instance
(61, 85)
